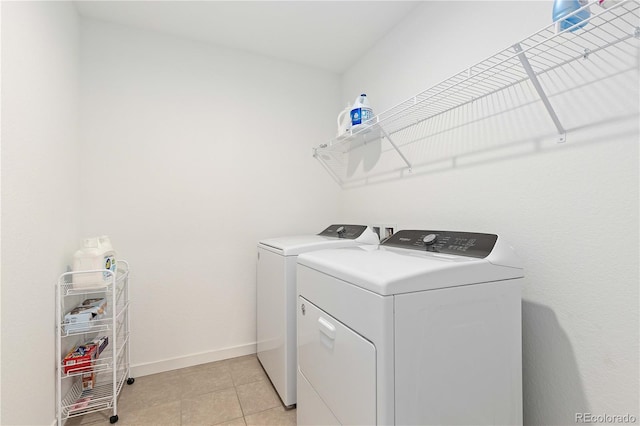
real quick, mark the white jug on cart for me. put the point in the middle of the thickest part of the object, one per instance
(96, 253)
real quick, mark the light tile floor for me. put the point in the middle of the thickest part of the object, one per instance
(229, 392)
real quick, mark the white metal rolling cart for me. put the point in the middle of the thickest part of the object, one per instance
(92, 341)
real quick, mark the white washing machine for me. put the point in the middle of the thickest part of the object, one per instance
(424, 329)
(276, 298)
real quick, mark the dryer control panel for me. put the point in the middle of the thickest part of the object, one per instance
(448, 242)
(350, 232)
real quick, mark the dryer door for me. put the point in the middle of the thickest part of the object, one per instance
(338, 363)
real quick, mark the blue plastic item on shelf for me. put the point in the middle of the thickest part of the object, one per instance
(361, 111)
(562, 8)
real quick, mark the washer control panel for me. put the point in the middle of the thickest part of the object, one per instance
(448, 242)
(350, 232)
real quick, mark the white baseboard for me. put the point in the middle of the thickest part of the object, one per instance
(145, 369)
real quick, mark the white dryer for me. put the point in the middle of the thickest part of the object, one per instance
(276, 298)
(423, 329)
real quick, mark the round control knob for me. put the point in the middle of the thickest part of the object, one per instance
(429, 239)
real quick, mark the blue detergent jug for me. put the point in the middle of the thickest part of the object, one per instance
(361, 111)
(562, 8)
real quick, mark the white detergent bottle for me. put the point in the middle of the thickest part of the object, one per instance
(96, 253)
(344, 121)
(361, 111)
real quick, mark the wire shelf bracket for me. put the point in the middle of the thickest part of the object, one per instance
(386, 135)
(543, 96)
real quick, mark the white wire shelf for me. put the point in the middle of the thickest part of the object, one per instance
(533, 61)
(78, 402)
(68, 288)
(104, 362)
(99, 325)
(352, 139)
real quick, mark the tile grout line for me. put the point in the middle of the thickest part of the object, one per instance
(182, 374)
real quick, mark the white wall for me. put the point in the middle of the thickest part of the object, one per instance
(190, 155)
(570, 210)
(39, 196)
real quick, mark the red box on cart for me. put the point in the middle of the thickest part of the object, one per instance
(80, 359)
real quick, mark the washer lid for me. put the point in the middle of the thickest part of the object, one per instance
(388, 270)
(294, 245)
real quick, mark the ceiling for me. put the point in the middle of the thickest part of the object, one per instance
(331, 35)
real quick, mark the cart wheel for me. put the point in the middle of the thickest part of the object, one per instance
(113, 419)
(130, 380)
